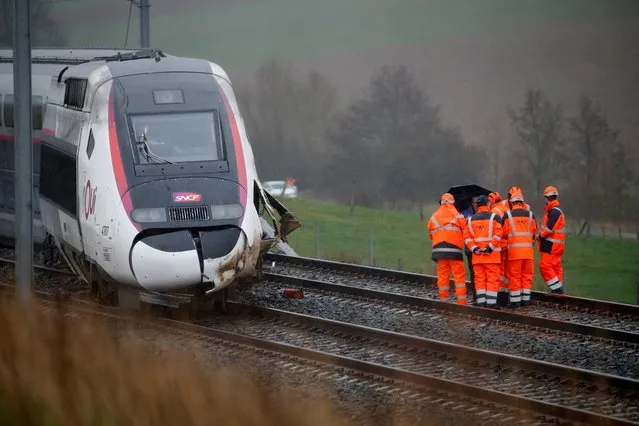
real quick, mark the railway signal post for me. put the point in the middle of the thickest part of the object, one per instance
(23, 148)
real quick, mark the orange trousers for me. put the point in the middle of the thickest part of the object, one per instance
(503, 278)
(520, 275)
(444, 268)
(486, 282)
(551, 270)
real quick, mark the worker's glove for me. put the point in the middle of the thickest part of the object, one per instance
(476, 250)
(488, 250)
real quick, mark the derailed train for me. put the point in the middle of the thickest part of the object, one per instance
(143, 172)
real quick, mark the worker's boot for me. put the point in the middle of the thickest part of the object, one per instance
(525, 303)
(514, 305)
(559, 290)
(502, 298)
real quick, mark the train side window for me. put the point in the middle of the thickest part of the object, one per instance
(90, 144)
(8, 111)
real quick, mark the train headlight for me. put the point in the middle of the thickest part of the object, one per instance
(226, 211)
(149, 215)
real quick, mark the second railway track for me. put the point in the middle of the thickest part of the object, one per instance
(598, 314)
(550, 388)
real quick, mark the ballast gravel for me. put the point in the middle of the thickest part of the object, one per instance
(567, 349)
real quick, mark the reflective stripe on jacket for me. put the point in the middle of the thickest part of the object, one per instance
(552, 234)
(499, 210)
(445, 229)
(484, 231)
(518, 233)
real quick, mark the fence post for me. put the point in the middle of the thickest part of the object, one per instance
(317, 239)
(372, 247)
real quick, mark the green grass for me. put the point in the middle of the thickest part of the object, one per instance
(593, 267)
(243, 34)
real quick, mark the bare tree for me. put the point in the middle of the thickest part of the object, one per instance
(287, 116)
(390, 145)
(594, 146)
(538, 125)
(44, 31)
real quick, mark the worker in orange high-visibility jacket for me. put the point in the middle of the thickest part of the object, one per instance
(507, 204)
(482, 236)
(497, 207)
(552, 240)
(446, 230)
(518, 233)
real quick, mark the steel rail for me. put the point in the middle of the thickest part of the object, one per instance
(539, 296)
(500, 315)
(471, 353)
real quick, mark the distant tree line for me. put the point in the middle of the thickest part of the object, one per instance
(390, 148)
(582, 155)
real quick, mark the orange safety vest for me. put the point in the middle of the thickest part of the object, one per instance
(500, 210)
(518, 233)
(446, 229)
(552, 237)
(483, 231)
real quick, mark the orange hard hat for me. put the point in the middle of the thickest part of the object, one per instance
(447, 199)
(494, 197)
(513, 189)
(516, 195)
(550, 191)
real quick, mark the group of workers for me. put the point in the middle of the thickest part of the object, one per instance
(498, 238)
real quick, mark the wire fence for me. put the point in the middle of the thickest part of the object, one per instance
(405, 246)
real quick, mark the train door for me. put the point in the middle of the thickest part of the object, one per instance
(96, 192)
(87, 189)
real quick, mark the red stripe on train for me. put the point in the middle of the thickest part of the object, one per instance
(239, 152)
(116, 162)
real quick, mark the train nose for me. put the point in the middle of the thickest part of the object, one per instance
(166, 261)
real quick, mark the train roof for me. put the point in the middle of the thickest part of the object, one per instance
(121, 62)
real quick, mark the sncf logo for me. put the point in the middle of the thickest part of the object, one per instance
(186, 197)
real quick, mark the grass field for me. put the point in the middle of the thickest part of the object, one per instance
(594, 267)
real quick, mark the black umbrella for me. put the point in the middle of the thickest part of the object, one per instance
(464, 194)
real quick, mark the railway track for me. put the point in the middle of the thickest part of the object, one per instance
(587, 316)
(412, 316)
(574, 394)
(426, 399)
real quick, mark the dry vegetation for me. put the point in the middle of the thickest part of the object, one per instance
(57, 370)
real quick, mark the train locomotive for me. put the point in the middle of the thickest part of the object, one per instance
(147, 184)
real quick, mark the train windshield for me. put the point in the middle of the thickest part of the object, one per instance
(177, 137)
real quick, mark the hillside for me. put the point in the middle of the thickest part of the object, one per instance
(474, 57)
